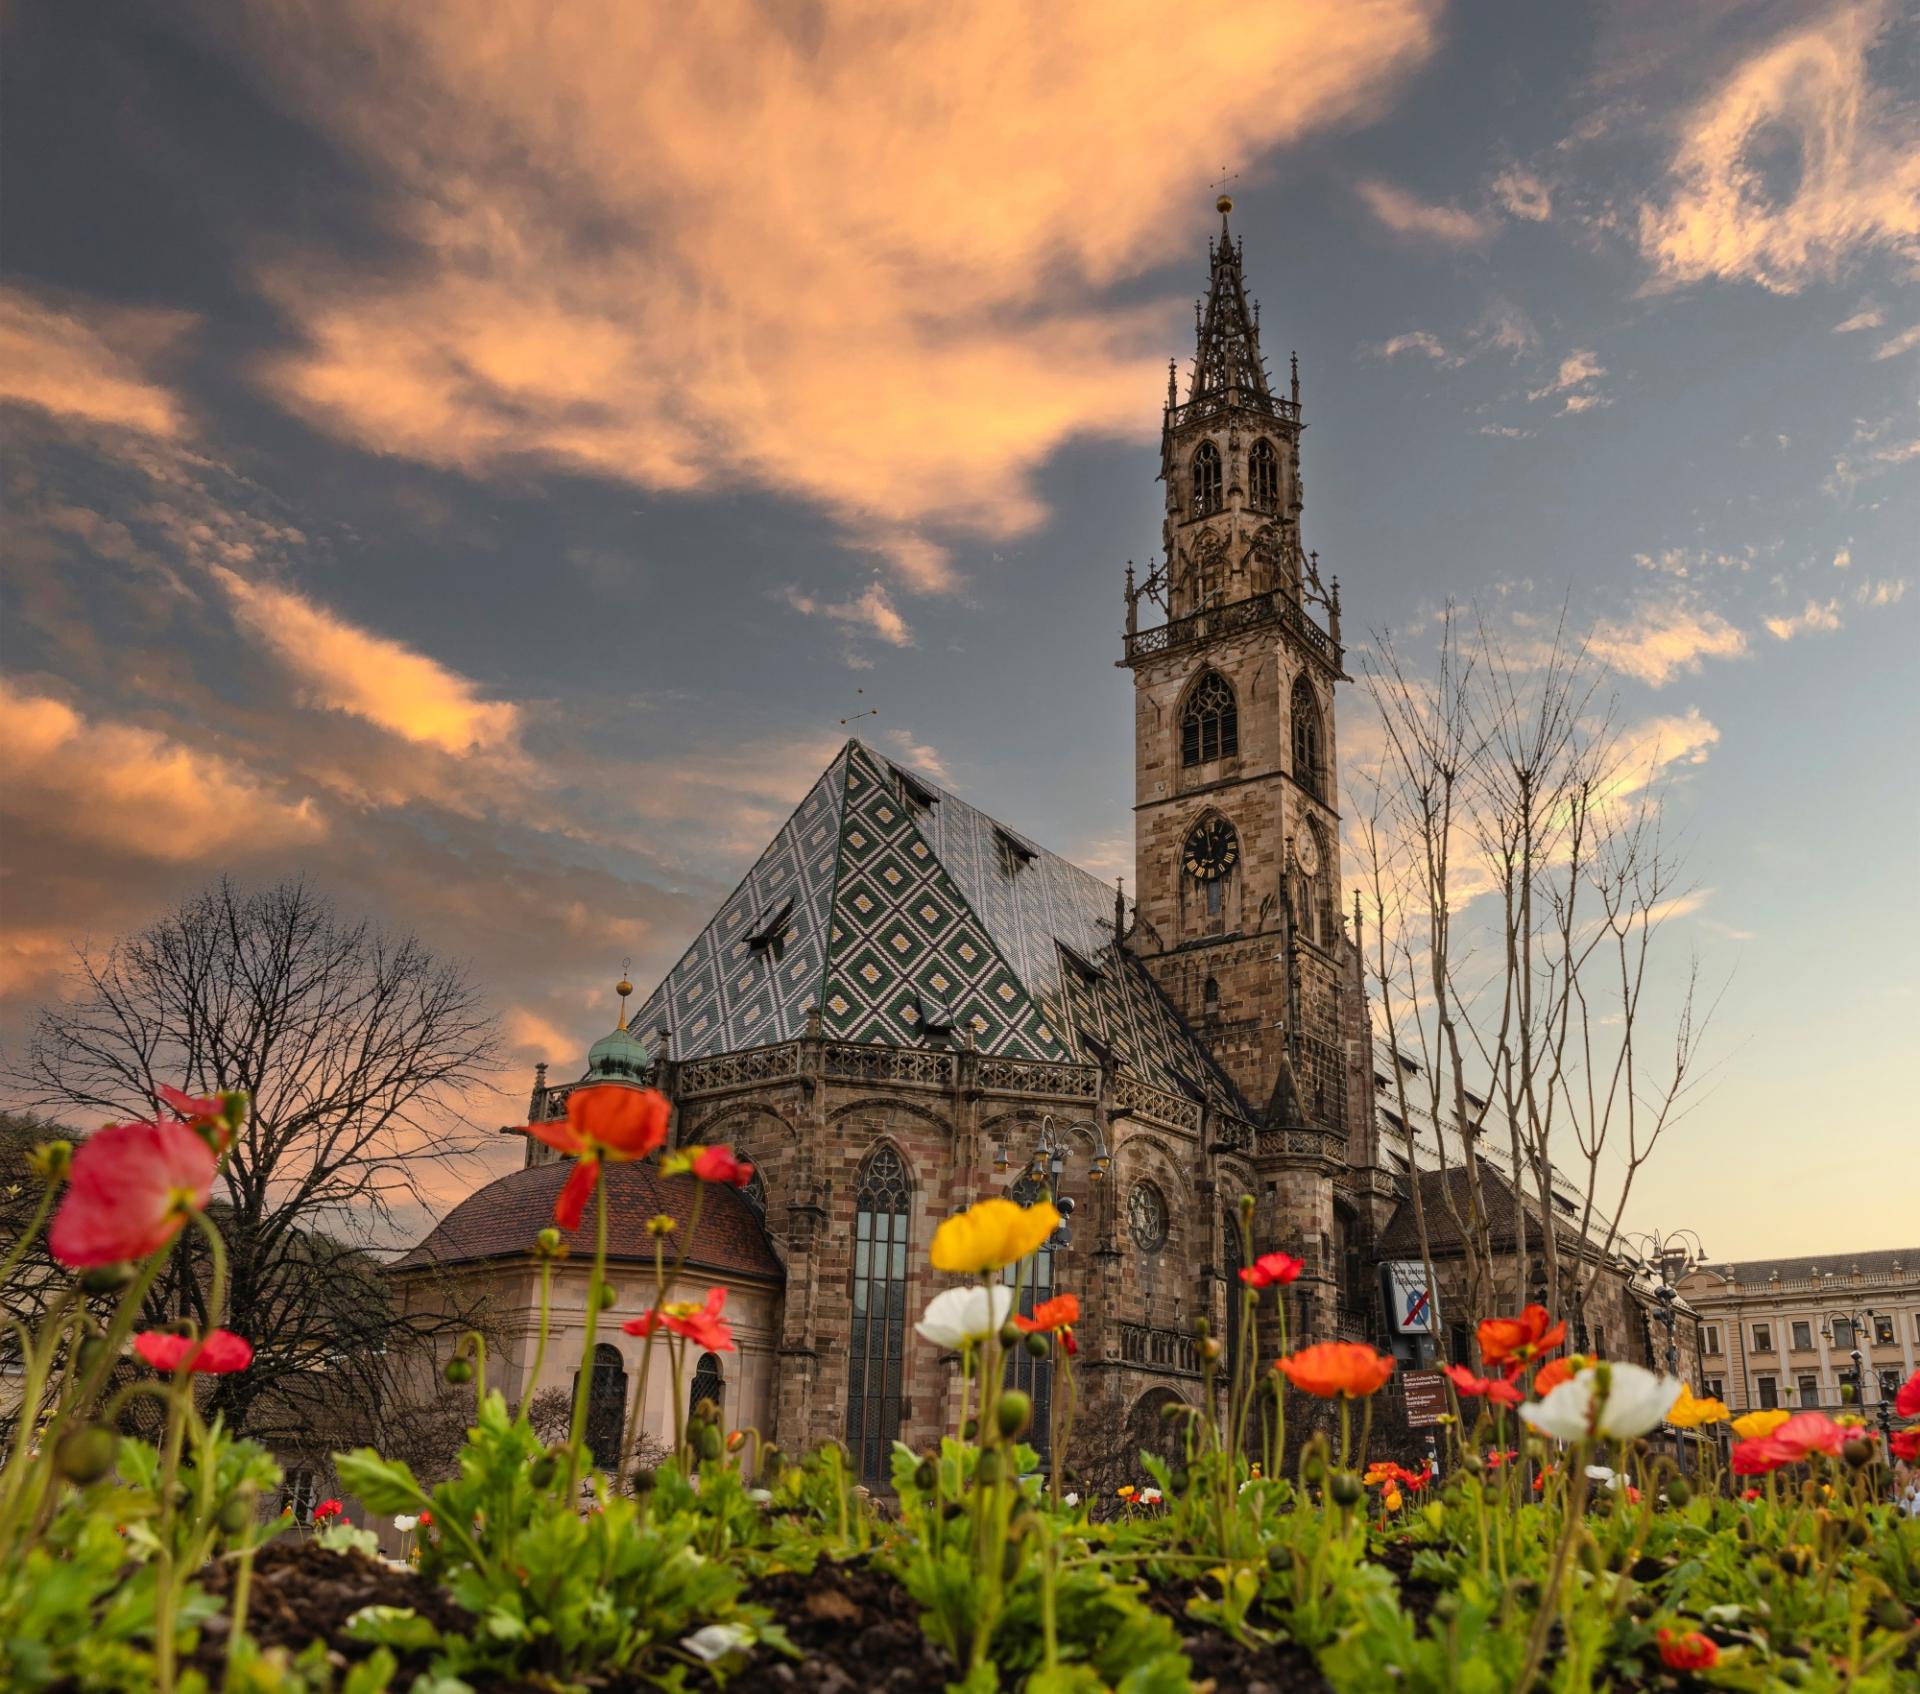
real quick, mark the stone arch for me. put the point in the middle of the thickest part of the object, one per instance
(1147, 1428)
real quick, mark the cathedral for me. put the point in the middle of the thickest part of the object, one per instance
(908, 1005)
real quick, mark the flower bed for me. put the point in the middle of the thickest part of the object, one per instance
(1558, 1547)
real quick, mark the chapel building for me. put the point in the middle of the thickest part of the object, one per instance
(907, 1005)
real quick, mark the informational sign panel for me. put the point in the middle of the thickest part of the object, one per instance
(1426, 1396)
(1410, 1302)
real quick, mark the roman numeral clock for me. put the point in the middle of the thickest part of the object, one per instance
(1211, 849)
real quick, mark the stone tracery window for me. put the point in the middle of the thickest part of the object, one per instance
(1263, 476)
(1147, 1216)
(1206, 479)
(606, 1406)
(876, 1350)
(1309, 769)
(708, 1384)
(1209, 722)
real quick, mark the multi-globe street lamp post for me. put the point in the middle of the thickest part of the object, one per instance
(1860, 1331)
(1674, 1255)
(1048, 1162)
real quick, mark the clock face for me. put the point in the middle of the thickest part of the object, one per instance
(1212, 849)
(1307, 850)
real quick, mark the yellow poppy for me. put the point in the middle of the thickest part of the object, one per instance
(1756, 1424)
(990, 1234)
(1689, 1413)
(1393, 1500)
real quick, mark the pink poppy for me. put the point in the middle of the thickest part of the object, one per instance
(1270, 1268)
(698, 1323)
(129, 1191)
(219, 1354)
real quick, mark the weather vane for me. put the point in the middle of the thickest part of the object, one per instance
(855, 717)
(1220, 182)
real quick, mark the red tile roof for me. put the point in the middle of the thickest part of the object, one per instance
(502, 1220)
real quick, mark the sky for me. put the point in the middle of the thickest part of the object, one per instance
(483, 459)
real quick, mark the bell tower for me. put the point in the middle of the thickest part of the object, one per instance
(1235, 652)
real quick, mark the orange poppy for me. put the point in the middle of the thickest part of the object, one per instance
(1051, 1317)
(607, 1121)
(1512, 1342)
(1330, 1368)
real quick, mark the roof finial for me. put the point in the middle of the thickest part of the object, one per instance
(623, 988)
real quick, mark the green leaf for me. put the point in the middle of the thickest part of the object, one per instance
(383, 1485)
(392, 1626)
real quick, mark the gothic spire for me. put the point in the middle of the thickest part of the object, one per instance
(1228, 358)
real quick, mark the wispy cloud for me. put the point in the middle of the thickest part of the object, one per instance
(869, 611)
(1793, 165)
(1664, 638)
(1874, 449)
(1843, 557)
(1577, 369)
(1816, 618)
(1418, 220)
(1889, 591)
(1905, 342)
(89, 363)
(1419, 341)
(697, 258)
(1868, 317)
(918, 754)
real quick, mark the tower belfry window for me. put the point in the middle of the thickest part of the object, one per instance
(1206, 479)
(1263, 476)
(1308, 767)
(1210, 722)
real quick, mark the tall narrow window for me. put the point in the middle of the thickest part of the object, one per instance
(1308, 762)
(1263, 476)
(1033, 1376)
(880, 1231)
(1206, 479)
(1210, 721)
(606, 1406)
(708, 1384)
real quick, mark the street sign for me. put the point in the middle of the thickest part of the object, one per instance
(1426, 1396)
(1410, 1301)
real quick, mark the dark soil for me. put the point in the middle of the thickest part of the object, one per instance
(1417, 1593)
(1285, 1669)
(856, 1628)
(302, 1592)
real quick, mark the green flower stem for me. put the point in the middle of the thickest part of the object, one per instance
(32, 1230)
(1549, 1599)
(629, 1440)
(540, 1347)
(242, 1594)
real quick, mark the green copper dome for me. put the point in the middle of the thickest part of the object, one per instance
(618, 1057)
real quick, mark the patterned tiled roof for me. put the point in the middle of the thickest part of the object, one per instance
(502, 1220)
(915, 917)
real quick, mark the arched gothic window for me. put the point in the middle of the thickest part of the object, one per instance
(881, 1227)
(1209, 722)
(1206, 479)
(1263, 476)
(1031, 1375)
(708, 1384)
(1309, 765)
(1326, 916)
(606, 1406)
(1210, 999)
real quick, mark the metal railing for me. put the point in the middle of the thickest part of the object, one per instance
(1252, 613)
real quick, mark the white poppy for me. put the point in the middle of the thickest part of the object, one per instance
(1606, 1478)
(717, 1640)
(405, 1524)
(1072, 1499)
(1635, 1402)
(1149, 1496)
(959, 1316)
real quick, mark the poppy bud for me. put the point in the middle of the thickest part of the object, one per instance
(643, 1480)
(1210, 1348)
(987, 1471)
(1201, 1327)
(1473, 1464)
(1889, 1613)
(1015, 1413)
(970, 1430)
(1009, 1335)
(1857, 1452)
(707, 1442)
(1036, 1346)
(1446, 1604)
(540, 1472)
(769, 1460)
(926, 1474)
(458, 1371)
(704, 1409)
(237, 1513)
(85, 1455)
(1280, 1559)
(608, 1296)
(1345, 1488)
(1856, 1533)
(736, 1439)
(1678, 1493)
(49, 1160)
(548, 1243)
(106, 1279)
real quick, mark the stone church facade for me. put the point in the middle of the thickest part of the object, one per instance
(906, 1002)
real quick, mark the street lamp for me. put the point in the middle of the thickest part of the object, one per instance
(1860, 1332)
(1051, 1147)
(1675, 1256)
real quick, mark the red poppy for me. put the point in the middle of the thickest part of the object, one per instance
(1051, 1317)
(1330, 1368)
(1496, 1458)
(1907, 1401)
(1749, 1495)
(702, 1324)
(1499, 1392)
(717, 1164)
(1906, 1444)
(205, 1114)
(129, 1190)
(1270, 1268)
(1758, 1456)
(219, 1354)
(607, 1121)
(1550, 1375)
(1809, 1432)
(1692, 1651)
(327, 1509)
(1511, 1343)
(426, 1516)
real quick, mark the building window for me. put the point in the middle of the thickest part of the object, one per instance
(301, 1493)
(1210, 721)
(606, 1406)
(880, 1240)
(708, 1384)
(1809, 1391)
(1883, 1329)
(1769, 1392)
(1147, 1217)
(1600, 1340)
(1802, 1336)
(1206, 480)
(1710, 1338)
(1263, 476)
(1305, 712)
(1763, 1338)
(1032, 1376)
(1210, 999)
(1889, 1384)
(1716, 1388)
(1842, 1336)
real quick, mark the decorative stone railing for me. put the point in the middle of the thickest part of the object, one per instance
(1254, 612)
(1159, 1349)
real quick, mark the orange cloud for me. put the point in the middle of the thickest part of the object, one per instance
(1816, 619)
(348, 669)
(843, 254)
(1407, 215)
(871, 611)
(1662, 639)
(88, 364)
(1856, 178)
(135, 790)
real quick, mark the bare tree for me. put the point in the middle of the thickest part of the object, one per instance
(1507, 786)
(356, 1047)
